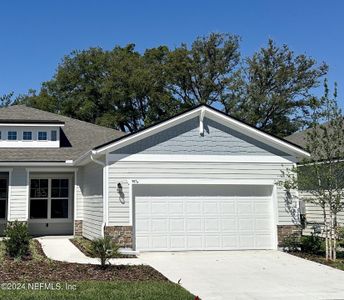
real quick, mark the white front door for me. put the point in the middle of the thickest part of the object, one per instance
(203, 223)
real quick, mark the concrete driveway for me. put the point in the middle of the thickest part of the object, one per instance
(248, 275)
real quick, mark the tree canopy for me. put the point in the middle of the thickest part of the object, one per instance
(124, 89)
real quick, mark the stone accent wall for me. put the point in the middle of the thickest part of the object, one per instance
(123, 235)
(286, 230)
(78, 227)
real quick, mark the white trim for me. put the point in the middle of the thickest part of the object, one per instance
(274, 199)
(33, 164)
(75, 200)
(253, 132)
(32, 124)
(9, 193)
(52, 170)
(201, 158)
(201, 125)
(27, 194)
(205, 181)
(131, 211)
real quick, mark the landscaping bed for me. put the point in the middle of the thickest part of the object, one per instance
(88, 281)
(84, 245)
(319, 258)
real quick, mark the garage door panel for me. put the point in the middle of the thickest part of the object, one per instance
(194, 224)
(193, 207)
(194, 242)
(177, 225)
(159, 226)
(211, 225)
(228, 207)
(210, 207)
(203, 223)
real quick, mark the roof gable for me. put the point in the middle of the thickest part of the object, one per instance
(201, 112)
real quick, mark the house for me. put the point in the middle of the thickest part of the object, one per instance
(201, 180)
(311, 212)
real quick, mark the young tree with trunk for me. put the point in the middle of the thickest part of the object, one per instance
(320, 179)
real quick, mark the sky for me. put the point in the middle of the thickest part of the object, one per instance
(35, 35)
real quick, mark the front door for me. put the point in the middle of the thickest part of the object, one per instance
(50, 207)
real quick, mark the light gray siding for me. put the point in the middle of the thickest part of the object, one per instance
(185, 139)
(18, 195)
(92, 193)
(314, 214)
(121, 171)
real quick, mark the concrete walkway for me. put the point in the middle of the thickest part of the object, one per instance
(60, 248)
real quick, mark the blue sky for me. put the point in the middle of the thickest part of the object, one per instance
(35, 35)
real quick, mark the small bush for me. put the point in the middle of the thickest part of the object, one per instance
(104, 249)
(312, 244)
(291, 243)
(17, 239)
(340, 233)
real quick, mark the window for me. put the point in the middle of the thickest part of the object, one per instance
(0, 135)
(27, 135)
(49, 199)
(59, 198)
(12, 135)
(42, 135)
(54, 135)
(3, 197)
(39, 198)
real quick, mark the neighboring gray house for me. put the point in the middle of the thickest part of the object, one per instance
(199, 181)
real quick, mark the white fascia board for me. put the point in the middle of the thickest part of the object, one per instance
(185, 181)
(200, 158)
(213, 114)
(31, 125)
(33, 164)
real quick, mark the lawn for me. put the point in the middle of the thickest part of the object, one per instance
(21, 279)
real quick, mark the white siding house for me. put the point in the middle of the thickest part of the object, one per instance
(199, 181)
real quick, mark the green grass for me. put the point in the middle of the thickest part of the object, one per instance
(107, 290)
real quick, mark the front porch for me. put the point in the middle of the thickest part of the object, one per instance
(44, 198)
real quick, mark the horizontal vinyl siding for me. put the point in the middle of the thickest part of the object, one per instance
(122, 171)
(91, 176)
(314, 214)
(18, 196)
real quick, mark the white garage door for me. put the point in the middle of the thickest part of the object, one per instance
(203, 223)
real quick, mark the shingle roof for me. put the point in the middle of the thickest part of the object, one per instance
(298, 138)
(82, 136)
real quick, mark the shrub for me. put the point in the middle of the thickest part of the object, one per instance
(340, 236)
(17, 239)
(311, 244)
(104, 249)
(291, 243)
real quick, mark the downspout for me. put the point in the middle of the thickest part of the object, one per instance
(104, 191)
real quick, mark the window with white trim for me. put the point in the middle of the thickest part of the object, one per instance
(49, 198)
(53, 135)
(42, 135)
(27, 135)
(12, 135)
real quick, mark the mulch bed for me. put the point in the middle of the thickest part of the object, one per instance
(33, 271)
(77, 243)
(43, 269)
(338, 264)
